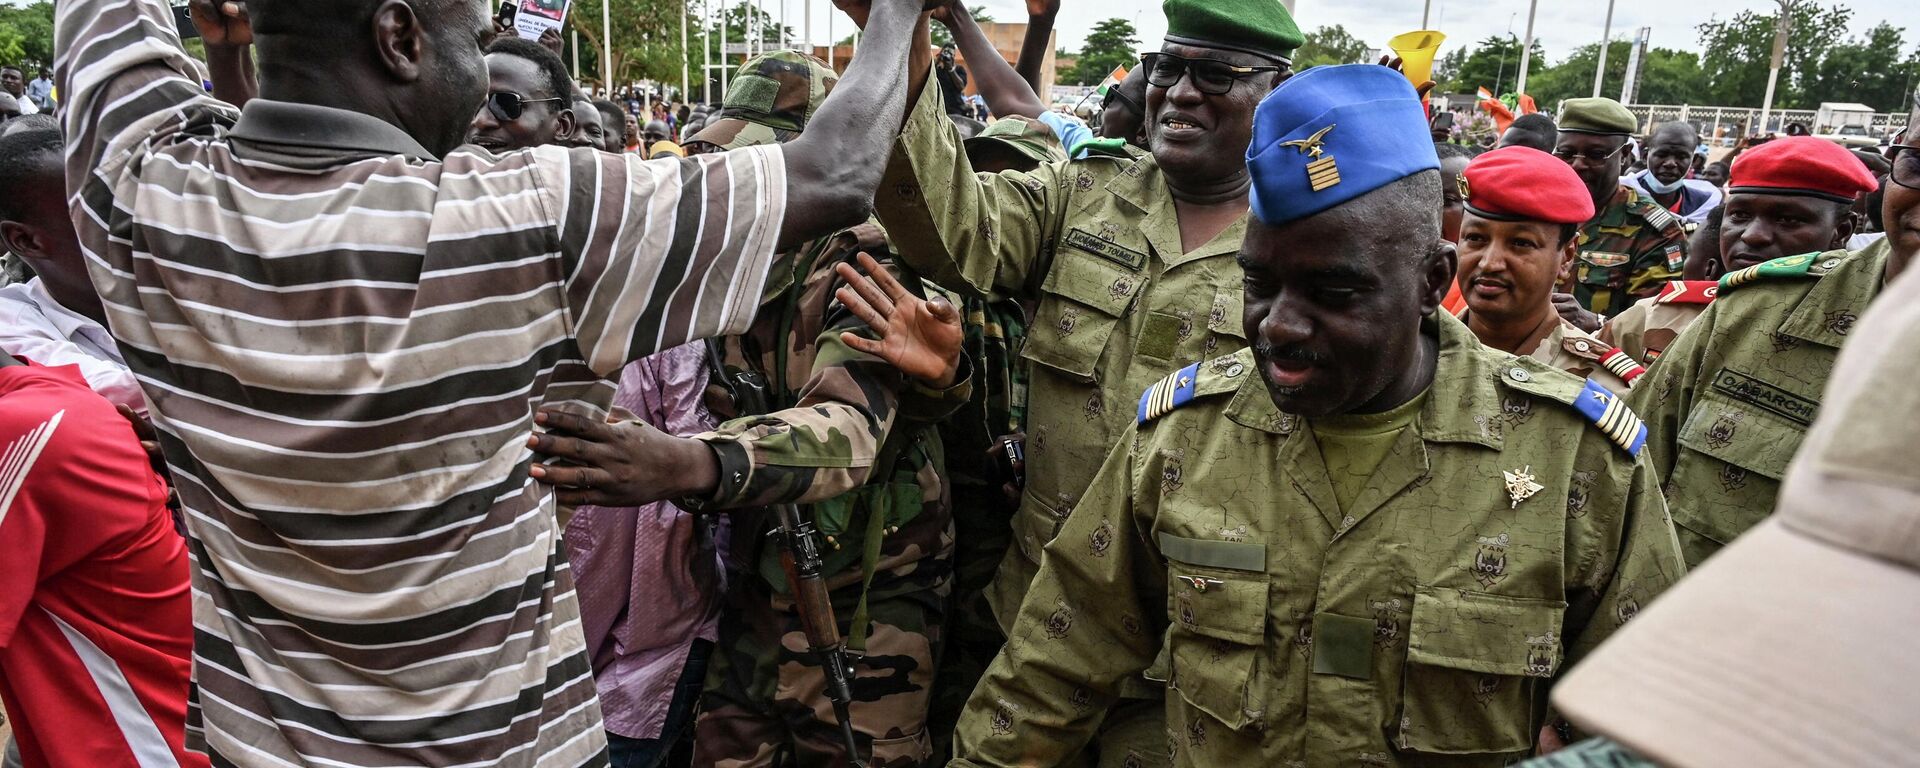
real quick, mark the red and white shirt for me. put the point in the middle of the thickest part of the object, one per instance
(96, 625)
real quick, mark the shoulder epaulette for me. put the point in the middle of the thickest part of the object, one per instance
(1610, 413)
(1622, 364)
(1603, 408)
(1113, 148)
(1611, 357)
(1803, 265)
(1688, 292)
(1195, 381)
(1659, 217)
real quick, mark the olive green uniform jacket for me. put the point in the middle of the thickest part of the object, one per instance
(1423, 627)
(1095, 244)
(1728, 404)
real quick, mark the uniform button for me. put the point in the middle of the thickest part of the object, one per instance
(1582, 346)
(1519, 375)
(1235, 370)
(1830, 264)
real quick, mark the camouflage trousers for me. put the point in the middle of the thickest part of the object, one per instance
(766, 705)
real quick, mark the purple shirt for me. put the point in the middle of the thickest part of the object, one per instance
(647, 588)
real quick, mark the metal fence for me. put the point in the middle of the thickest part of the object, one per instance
(1730, 123)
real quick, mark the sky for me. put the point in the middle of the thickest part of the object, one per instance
(1561, 25)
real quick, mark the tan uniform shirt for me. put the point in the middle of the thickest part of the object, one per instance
(1575, 351)
(1648, 327)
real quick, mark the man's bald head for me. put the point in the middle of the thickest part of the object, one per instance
(1533, 130)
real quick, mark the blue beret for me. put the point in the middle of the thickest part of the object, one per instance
(1331, 134)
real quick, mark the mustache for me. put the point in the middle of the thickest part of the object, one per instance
(1294, 353)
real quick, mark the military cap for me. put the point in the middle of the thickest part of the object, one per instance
(1260, 27)
(770, 100)
(1331, 134)
(1597, 115)
(1803, 166)
(1025, 135)
(667, 147)
(1525, 184)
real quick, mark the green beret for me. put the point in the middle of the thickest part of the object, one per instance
(1597, 115)
(1261, 27)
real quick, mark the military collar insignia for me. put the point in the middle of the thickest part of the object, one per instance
(1521, 485)
(1322, 172)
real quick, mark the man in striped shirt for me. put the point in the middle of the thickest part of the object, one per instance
(343, 323)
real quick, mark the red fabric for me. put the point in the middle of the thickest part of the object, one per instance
(96, 629)
(1689, 292)
(1526, 183)
(1801, 164)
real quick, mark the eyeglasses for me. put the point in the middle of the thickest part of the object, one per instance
(507, 106)
(1212, 76)
(1906, 167)
(1593, 157)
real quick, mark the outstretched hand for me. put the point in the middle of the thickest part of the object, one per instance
(221, 24)
(920, 337)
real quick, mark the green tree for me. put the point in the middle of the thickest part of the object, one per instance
(942, 37)
(1329, 45)
(1111, 44)
(1865, 70)
(26, 34)
(646, 39)
(1736, 54)
(736, 21)
(1495, 65)
(1666, 76)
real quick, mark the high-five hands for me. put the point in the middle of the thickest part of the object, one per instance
(920, 337)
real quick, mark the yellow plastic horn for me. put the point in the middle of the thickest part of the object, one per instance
(1416, 50)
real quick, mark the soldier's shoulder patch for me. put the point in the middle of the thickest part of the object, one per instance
(1107, 149)
(1786, 268)
(1688, 292)
(1600, 406)
(1211, 377)
(1586, 347)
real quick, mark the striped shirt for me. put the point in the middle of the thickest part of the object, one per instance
(343, 341)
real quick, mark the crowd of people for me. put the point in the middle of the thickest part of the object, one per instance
(393, 400)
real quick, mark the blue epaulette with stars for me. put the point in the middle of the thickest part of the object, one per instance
(1609, 412)
(1169, 393)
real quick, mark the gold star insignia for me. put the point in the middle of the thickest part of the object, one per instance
(1520, 485)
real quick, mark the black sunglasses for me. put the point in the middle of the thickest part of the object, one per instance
(1906, 166)
(1212, 76)
(507, 106)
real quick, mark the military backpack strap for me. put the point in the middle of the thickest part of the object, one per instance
(1803, 265)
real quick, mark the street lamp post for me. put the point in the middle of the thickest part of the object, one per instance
(1781, 28)
(1426, 14)
(606, 49)
(1606, 41)
(1526, 49)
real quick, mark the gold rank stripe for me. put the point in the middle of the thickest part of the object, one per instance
(1160, 402)
(1741, 277)
(1323, 173)
(1619, 423)
(1622, 365)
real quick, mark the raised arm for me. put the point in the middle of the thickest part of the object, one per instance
(227, 32)
(1005, 90)
(834, 168)
(1038, 43)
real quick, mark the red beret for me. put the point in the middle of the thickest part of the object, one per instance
(1801, 165)
(1525, 184)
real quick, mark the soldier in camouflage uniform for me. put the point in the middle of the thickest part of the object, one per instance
(1522, 209)
(1730, 401)
(1370, 540)
(1632, 246)
(849, 435)
(1769, 214)
(1128, 260)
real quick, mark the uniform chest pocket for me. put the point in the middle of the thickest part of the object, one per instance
(1474, 664)
(1083, 299)
(1737, 442)
(1217, 622)
(1602, 269)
